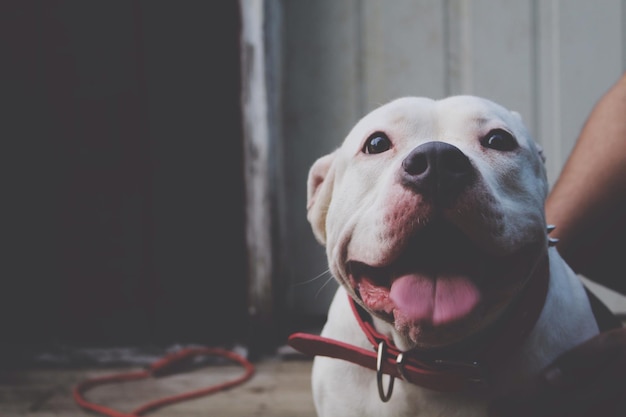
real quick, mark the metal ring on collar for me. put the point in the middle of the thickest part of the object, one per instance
(384, 396)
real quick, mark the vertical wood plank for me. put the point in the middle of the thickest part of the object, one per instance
(256, 162)
(497, 53)
(580, 54)
(404, 50)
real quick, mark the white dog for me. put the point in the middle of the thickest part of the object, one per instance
(432, 214)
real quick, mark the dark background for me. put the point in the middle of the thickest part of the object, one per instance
(123, 189)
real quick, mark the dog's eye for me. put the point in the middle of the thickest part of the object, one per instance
(378, 142)
(500, 140)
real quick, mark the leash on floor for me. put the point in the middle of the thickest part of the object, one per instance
(163, 366)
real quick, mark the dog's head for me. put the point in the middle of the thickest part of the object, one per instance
(432, 213)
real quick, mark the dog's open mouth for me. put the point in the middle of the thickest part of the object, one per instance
(442, 277)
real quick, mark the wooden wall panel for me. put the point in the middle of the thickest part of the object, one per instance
(549, 60)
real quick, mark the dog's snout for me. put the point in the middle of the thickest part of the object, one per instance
(437, 170)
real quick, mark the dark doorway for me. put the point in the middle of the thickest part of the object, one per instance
(124, 196)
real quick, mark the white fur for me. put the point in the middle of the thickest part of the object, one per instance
(349, 195)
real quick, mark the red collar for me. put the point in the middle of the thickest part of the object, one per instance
(453, 371)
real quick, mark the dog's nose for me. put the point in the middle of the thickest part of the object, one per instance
(437, 170)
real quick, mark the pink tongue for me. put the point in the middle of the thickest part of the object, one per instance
(421, 298)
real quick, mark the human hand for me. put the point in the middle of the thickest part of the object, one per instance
(588, 380)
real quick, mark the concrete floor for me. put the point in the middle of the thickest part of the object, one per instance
(279, 388)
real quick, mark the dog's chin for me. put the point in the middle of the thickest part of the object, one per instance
(442, 289)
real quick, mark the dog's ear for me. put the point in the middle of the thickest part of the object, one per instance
(540, 152)
(319, 192)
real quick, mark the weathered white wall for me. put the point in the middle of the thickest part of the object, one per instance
(550, 60)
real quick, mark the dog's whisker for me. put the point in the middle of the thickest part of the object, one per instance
(315, 278)
(330, 279)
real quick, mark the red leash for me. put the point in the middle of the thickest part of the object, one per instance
(161, 367)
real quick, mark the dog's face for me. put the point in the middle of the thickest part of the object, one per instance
(432, 213)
